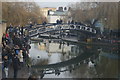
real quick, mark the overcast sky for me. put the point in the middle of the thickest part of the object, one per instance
(53, 4)
(56, 0)
(60, 0)
(58, 3)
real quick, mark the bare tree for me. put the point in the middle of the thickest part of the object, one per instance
(21, 13)
(91, 12)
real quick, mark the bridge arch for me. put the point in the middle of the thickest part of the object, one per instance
(34, 32)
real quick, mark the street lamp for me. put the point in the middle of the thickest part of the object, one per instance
(105, 22)
(105, 19)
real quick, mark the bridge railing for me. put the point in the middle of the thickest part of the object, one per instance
(51, 27)
(68, 65)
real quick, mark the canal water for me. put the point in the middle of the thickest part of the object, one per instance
(77, 60)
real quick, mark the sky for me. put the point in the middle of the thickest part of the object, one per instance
(60, 0)
(53, 4)
(59, 3)
(56, 0)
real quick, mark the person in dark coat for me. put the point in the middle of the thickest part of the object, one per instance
(4, 53)
(22, 30)
(16, 49)
(60, 21)
(15, 65)
(57, 21)
(6, 65)
(17, 41)
(57, 72)
(26, 38)
(24, 54)
(3, 38)
(72, 22)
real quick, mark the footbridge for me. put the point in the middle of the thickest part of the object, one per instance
(68, 65)
(48, 28)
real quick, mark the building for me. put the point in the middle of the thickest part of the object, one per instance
(46, 9)
(2, 29)
(53, 14)
(60, 13)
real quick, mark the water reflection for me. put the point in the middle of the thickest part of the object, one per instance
(58, 59)
(54, 52)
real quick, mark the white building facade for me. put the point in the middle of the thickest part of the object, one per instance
(54, 18)
(59, 14)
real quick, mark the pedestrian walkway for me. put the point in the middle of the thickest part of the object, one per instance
(14, 54)
(22, 73)
(0, 62)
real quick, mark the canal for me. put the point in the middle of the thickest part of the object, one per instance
(61, 59)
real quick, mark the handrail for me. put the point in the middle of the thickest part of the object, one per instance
(57, 27)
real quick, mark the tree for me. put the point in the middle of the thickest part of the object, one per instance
(0, 10)
(21, 13)
(91, 12)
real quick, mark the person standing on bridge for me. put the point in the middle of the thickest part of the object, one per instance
(57, 72)
(44, 23)
(22, 31)
(60, 21)
(72, 22)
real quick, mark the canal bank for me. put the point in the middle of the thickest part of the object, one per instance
(93, 43)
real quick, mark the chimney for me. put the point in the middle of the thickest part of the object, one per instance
(60, 9)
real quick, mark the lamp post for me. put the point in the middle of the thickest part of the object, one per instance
(105, 21)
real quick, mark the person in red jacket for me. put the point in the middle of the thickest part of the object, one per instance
(7, 35)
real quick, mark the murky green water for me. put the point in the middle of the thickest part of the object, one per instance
(86, 61)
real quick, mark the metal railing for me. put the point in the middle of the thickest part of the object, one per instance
(49, 28)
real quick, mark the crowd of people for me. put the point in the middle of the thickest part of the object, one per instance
(15, 51)
(59, 21)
